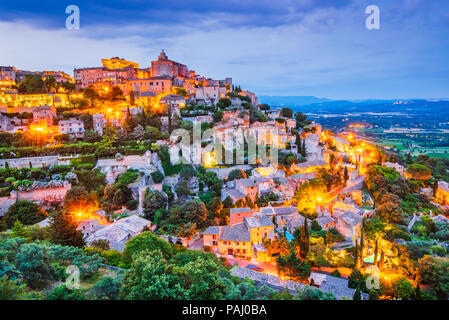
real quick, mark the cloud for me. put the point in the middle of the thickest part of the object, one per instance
(302, 48)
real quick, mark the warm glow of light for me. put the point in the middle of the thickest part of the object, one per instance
(84, 210)
(209, 159)
(265, 171)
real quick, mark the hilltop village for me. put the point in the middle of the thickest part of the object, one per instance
(88, 179)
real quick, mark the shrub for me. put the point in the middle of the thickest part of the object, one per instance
(336, 273)
(132, 204)
(60, 169)
(157, 176)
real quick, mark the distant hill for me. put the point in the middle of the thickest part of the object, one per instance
(290, 100)
(378, 106)
(311, 104)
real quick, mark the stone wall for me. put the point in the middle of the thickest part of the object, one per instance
(39, 196)
(36, 162)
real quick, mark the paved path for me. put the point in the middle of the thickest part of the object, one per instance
(357, 184)
(268, 268)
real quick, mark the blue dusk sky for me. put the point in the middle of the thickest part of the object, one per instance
(276, 47)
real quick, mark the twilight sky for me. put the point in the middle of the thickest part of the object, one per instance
(276, 47)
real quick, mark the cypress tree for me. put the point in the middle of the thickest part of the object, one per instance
(63, 230)
(357, 294)
(298, 143)
(435, 188)
(169, 118)
(346, 175)
(381, 260)
(303, 150)
(409, 158)
(362, 244)
(304, 244)
(132, 98)
(356, 254)
(376, 249)
(306, 228)
(417, 292)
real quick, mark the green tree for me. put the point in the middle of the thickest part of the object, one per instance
(146, 241)
(195, 211)
(376, 252)
(310, 293)
(356, 279)
(61, 292)
(153, 201)
(236, 174)
(417, 292)
(26, 212)
(33, 261)
(292, 266)
(63, 230)
(90, 94)
(157, 177)
(373, 295)
(32, 83)
(434, 272)
(303, 149)
(381, 260)
(435, 188)
(11, 289)
(286, 112)
(107, 288)
(304, 243)
(298, 143)
(300, 118)
(152, 276)
(346, 175)
(362, 245)
(357, 294)
(403, 289)
(418, 171)
(214, 207)
(18, 230)
(315, 226)
(132, 98)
